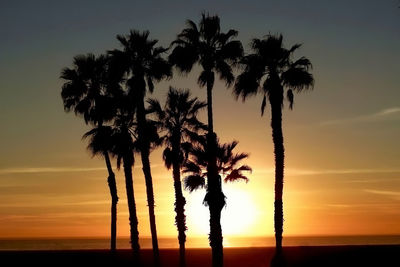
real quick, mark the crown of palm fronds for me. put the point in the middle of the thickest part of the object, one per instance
(227, 164)
(124, 139)
(207, 45)
(90, 88)
(270, 69)
(178, 123)
(100, 139)
(140, 61)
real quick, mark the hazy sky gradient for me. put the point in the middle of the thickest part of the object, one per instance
(342, 139)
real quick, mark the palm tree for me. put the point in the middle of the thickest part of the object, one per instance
(88, 90)
(215, 52)
(178, 120)
(100, 144)
(271, 71)
(227, 166)
(142, 64)
(124, 146)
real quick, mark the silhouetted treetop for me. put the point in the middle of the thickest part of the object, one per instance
(227, 165)
(207, 45)
(270, 65)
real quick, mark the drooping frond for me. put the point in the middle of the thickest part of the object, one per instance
(298, 78)
(234, 176)
(290, 98)
(263, 104)
(194, 182)
(168, 157)
(99, 140)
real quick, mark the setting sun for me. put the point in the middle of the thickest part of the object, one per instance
(238, 216)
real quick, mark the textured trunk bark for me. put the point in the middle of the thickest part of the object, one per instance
(215, 197)
(133, 221)
(180, 218)
(114, 201)
(279, 151)
(145, 154)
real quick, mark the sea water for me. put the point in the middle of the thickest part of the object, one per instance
(194, 242)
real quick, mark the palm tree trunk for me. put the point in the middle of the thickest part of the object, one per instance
(114, 201)
(150, 202)
(210, 84)
(279, 151)
(215, 197)
(180, 218)
(133, 221)
(145, 154)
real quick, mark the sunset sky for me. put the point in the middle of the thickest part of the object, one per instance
(342, 138)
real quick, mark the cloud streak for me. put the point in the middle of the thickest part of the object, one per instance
(23, 170)
(383, 192)
(365, 118)
(48, 170)
(290, 171)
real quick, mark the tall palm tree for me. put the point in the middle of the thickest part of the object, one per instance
(142, 64)
(88, 90)
(215, 52)
(271, 70)
(178, 120)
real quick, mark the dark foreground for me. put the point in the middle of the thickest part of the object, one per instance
(357, 256)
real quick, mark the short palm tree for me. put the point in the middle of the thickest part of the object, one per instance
(271, 70)
(227, 164)
(142, 64)
(215, 52)
(123, 148)
(88, 90)
(178, 121)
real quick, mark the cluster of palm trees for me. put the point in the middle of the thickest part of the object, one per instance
(109, 92)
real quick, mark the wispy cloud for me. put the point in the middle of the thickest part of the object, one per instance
(383, 192)
(290, 171)
(47, 170)
(365, 118)
(57, 169)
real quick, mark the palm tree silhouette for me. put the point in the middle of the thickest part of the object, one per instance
(88, 90)
(142, 64)
(227, 166)
(123, 148)
(178, 120)
(215, 52)
(271, 70)
(100, 143)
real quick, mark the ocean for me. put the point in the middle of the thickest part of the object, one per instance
(123, 243)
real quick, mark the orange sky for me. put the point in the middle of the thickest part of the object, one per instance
(342, 149)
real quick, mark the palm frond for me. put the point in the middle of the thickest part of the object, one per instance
(290, 98)
(234, 176)
(194, 182)
(298, 79)
(263, 104)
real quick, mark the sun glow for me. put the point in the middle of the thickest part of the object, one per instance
(237, 216)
